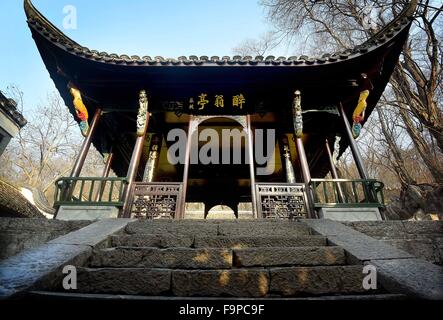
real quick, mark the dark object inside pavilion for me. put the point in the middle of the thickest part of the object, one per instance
(127, 105)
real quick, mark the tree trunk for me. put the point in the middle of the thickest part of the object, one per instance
(399, 163)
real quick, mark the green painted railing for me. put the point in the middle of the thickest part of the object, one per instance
(89, 191)
(331, 193)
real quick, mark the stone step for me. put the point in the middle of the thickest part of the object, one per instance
(219, 283)
(184, 258)
(151, 240)
(218, 227)
(49, 295)
(317, 280)
(136, 281)
(171, 241)
(238, 242)
(263, 228)
(216, 258)
(172, 227)
(257, 282)
(301, 256)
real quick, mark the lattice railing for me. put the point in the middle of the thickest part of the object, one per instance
(156, 200)
(347, 193)
(89, 191)
(281, 200)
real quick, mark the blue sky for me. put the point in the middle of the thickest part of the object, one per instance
(167, 27)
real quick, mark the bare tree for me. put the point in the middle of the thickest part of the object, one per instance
(416, 89)
(46, 147)
(260, 46)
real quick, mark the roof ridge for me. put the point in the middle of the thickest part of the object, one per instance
(32, 12)
(42, 25)
(9, 106)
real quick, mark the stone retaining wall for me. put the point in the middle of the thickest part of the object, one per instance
(14, 204)
(17, 234)
(423, 239)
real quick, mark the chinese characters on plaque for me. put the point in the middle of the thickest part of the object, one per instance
(233, 103)
(204, 101)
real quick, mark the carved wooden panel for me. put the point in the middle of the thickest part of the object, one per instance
(281, 201)
(156, 200)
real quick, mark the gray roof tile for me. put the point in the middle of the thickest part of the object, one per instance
(39, 23)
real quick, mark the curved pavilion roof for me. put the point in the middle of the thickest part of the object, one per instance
(38, 22)
(112, 81)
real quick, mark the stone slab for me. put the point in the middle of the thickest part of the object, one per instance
(87, 212)
(17, 235)
(40, 225)
(151, 240)
(42, 266)
(414, 277)
(424, 227)
(398, 272)
(12, 243)
(350, 214)
(172, 227)
(39, 267)
(420, 248)
(302, 256)
(263, 228)
(93, 234)
(317, 280)
(439, 248)
(239, 242)
(380, 229)
(183, 258)
(358, 246)
(124, 281)
(220, 283)
(419, 238)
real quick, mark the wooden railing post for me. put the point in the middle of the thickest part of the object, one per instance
(105, 174)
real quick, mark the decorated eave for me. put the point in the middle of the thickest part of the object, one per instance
(9, 107)
(38, 22)
(112, 82)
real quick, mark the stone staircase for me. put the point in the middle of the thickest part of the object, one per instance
(234, 259)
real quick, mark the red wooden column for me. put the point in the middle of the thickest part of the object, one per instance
(153, 158)
(354, 148)
(142, 128)
(80, 161)
(285, 156)
(298, 128)
(333, 169)
(193, 125)
(252, 167)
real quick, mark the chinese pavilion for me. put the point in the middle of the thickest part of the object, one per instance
(11, 121)
(126, 107)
